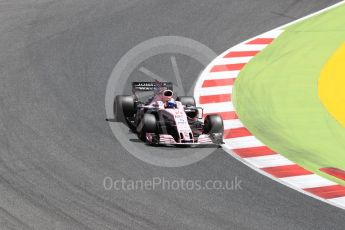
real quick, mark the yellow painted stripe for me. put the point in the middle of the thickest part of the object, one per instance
(331, 87)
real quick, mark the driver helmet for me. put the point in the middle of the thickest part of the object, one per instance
(171, 103)
(167, 95)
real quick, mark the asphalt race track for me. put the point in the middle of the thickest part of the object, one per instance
(56, 147)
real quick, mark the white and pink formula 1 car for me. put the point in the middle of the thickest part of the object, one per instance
(165, 121)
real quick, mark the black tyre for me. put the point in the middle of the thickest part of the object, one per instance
(186, 100)
(148, 124)
(124, 107)
(213, 124)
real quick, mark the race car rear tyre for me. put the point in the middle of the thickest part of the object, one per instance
(123, 107)
(186, 100)
(213, 124)
(148, 124)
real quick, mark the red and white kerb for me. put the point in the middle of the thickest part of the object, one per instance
(213, 92)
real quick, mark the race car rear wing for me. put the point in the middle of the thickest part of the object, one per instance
(150, 86)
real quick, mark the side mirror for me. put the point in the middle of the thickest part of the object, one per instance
(200, 112)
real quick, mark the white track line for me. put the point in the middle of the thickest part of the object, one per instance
(225, 61)
(243, 142)
(271, 34)
(307, 181)
(268, 161)
(235, 123)
(215, 90)
(340, 201)
(245, 47)
(221, 75)
(218, 107)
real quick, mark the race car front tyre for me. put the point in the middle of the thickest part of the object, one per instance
(186, 100)
(148, 124)
(124, 107)
(213, 123)
(189, 101)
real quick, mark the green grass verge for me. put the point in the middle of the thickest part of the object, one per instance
(276, 94)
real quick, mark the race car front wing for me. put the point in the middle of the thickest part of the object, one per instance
(166, 139)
